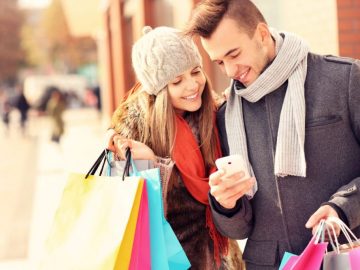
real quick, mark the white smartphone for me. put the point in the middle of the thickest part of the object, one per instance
(231, 164)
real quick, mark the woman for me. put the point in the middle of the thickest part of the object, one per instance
(170, 119)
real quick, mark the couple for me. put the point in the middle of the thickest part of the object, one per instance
(293, 115)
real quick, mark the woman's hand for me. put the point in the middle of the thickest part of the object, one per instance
(109, 138)
(138, 150)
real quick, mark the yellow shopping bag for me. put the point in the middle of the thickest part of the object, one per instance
(124, 254)
(94, 225)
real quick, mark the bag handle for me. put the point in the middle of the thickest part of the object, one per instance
(350, 236)
(332, 234)
(319, 231)
(102, 158)
(129, 162)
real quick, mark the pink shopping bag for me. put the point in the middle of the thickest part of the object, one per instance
(346, 256)
(140, 255)
(355, 257)
(311, 257)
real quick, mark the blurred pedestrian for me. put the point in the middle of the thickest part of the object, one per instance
(97, 93)
(23, 106)
(55, 109)
(5, 109)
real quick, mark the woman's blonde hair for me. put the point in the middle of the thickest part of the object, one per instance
(158, 129)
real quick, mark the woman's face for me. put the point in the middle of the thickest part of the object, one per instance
(186, 89)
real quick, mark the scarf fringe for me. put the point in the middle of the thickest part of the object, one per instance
(221, 243)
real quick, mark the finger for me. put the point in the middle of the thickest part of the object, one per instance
(314, 219)
(229, 201)
(121, 149)
(236, 175)
(111, 147)
(118, 140)
(334, 228)
(239, 184)
(124, 146)
(239, 188)
(314, 229)
(227, 191)
(215, 178)
(109, 137)
(111, 143)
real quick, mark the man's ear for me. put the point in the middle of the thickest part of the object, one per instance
(263, 31)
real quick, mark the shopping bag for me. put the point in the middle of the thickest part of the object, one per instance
(140, 256)
(344, 257)
(140, 251)
(166, 250)
(90, 228)
(289, 259)
(125, 251)
(311, 257)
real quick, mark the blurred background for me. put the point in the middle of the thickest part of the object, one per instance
(64, 67)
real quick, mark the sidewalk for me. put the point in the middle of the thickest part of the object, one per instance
(80, 146)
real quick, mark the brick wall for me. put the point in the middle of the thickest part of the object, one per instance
(349, 27)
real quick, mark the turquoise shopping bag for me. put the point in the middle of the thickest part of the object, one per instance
(166, 250)
(288, 258)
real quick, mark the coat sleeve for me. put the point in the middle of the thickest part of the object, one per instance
(234, 223)
(348, 196)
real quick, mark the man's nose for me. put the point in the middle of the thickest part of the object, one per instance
(230, 70)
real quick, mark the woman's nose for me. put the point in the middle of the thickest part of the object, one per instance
(191, 84)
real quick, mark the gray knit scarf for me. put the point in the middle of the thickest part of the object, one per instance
(289, 64)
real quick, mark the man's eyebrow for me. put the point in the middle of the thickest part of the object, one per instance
(230, 52)
(226, 54)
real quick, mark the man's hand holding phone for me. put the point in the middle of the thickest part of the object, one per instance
(231, 181)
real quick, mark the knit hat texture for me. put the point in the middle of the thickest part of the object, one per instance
(162, 54)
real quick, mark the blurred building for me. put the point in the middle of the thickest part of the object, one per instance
(329, 26)
(11, 20)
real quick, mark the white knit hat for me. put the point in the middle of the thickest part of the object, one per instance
(161, 55)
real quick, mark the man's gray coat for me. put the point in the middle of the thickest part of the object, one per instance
(274, 220)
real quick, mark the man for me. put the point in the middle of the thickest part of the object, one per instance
(295, 117)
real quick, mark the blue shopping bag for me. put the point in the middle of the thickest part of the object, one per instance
(166, 250)
(287, 258)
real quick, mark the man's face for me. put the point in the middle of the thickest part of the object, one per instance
(240, 57)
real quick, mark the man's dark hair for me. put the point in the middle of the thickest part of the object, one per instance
(208, 14)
